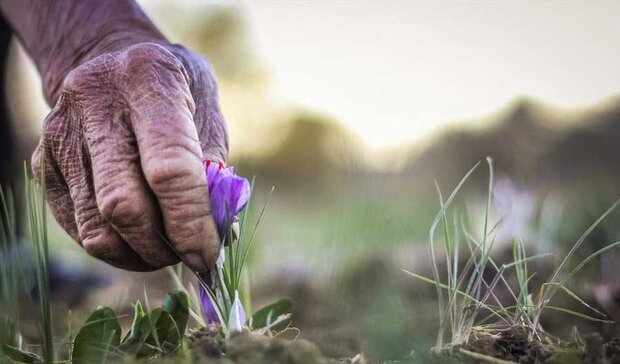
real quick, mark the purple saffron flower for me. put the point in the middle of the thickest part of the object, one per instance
(237, 316)
(228, 192)
(208, 308)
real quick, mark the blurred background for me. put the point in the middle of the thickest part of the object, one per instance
(352, 110)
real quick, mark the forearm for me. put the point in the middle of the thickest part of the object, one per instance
(59, 35)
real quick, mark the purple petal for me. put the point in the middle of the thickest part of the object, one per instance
(210, 312)
(229, 194)
(207, 306)
(213, 171)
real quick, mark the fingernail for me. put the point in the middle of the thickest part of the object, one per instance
(195, 261)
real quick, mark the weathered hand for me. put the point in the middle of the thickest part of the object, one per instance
(122, 154)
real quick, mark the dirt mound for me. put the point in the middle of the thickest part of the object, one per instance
(246, 348)
(514, 345)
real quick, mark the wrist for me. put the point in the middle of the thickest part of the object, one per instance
(71, 54)
(60, 35)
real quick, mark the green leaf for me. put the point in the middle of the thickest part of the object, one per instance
(578, 299)
(161, 334)
(177, 305)
(457, 291)
(271, 312)
(578, 314)
(19, 356)
(135, 337)
(159, 331)
(133, 333)
(100, 332)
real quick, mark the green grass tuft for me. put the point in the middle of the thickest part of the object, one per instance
(467, 301)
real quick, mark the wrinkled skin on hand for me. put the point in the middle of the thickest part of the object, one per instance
(122, 154)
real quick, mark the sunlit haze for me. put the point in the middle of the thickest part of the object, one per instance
(394, 71)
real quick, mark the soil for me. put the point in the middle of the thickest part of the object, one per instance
(252, 348)
(514, 345)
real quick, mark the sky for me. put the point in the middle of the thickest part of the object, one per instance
(395, 71)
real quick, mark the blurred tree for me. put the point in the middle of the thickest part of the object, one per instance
(217, 31)
(247, 99)
(314, 148)
(532, 143)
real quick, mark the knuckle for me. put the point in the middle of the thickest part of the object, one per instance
(157, 72)
(183, 230)
(103, 244)
(144, 55)
(199, 73)
(120, 209)
(95, 244)
(203, 76)
(194, 60)
(53, 124)
(73, 80)
(90, 75)
(171, 176)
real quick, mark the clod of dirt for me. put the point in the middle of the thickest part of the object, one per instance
(537, 353)
(594, 348)
(207, 342)
(251, 348)
(512, 345)
(612, 351)
(246, 348)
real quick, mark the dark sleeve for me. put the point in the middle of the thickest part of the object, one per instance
(9, 170)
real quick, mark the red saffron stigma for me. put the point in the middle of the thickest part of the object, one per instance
(221, 165)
